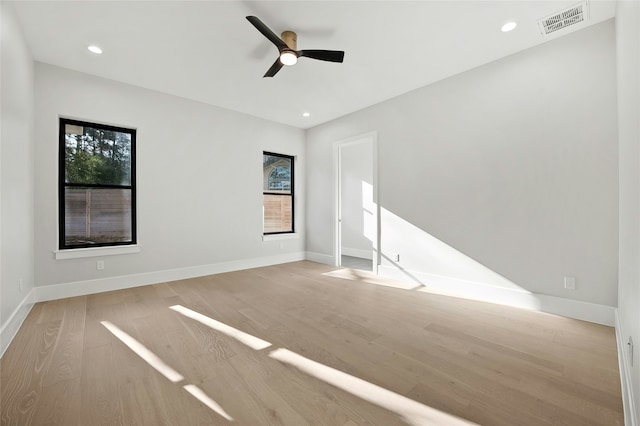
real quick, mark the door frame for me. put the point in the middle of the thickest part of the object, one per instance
(369, 137)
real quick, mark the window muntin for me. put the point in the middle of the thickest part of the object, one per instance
(96, 185)
(278, 192)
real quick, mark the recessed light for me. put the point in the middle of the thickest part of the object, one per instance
(509, 26)
(305, 114)
(95, 49)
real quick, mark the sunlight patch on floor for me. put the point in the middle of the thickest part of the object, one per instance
(446, 286)
(411, 411)
(245, 338)
(368, 277)
(206, 400)
(161, 367)
(139, 349)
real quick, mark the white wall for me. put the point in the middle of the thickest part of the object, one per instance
(199, 182)
(356, 196)
(16, 176)
(628, 61)
(503, 176)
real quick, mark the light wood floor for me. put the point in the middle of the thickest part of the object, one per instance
(293, 345)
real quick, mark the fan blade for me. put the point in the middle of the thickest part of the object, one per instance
(273, 38)
(274, 68)
(323, 55)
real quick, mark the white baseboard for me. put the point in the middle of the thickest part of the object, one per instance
(81, 288)
(11, 327)
(624, 363)
(600, 314)
(327, 259)
(577, 309)
(520, 298)
(354, 252)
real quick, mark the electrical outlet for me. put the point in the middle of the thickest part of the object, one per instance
(396, 257)
(100, 265)
(570, 283)
(20, 284)
(630, 345)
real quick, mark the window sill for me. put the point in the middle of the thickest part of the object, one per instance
(96, 252)
(277, 237)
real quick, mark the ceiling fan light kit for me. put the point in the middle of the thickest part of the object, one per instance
(288, 58)
(287, 48)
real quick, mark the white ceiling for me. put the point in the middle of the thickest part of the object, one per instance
(209, 52)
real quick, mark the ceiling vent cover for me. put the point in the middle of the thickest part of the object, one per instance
(565, 18)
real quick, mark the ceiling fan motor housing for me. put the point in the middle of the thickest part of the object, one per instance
(291, 39)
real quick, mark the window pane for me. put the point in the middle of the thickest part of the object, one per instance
(97, 215)
(97, 156)
(276, 174)
(277, 213)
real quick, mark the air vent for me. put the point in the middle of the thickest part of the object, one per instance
(565, 18)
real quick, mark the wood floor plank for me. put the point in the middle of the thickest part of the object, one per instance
(61, 406)
(321, 403)
(478, 362)
(66, 363)
(100, 401)
(24, 368)
(141, 402)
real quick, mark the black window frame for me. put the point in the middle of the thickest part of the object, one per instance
(62, 184)
(292, 193)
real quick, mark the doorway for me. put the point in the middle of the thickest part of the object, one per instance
(356, 215)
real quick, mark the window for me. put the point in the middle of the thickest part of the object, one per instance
(97, 195)
(277, 189)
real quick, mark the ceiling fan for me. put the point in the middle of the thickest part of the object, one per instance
(287, 48)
